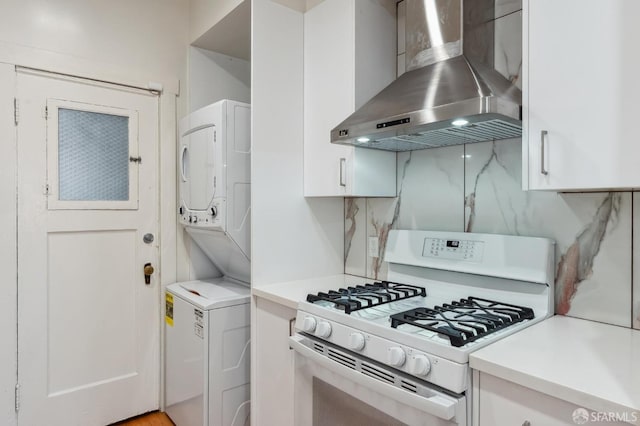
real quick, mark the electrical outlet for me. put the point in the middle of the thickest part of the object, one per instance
(373, 247)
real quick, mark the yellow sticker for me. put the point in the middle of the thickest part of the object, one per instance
(168, 309)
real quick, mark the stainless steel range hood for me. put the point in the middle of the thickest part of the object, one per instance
(450, 94)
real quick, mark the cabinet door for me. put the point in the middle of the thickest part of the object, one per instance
(349, 56)
(329, 36)
(273, 404)
(505, 403)
(581, 69)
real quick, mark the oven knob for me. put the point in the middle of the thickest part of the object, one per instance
(323, 330)
(419, 365)
(356, 341)
(309, 324)
(396, 356)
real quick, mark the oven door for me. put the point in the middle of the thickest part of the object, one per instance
(335, 387)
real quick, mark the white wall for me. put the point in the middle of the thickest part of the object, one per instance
(141, 39)
(214, 76)
(8, 284)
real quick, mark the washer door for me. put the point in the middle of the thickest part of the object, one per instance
(197, 164)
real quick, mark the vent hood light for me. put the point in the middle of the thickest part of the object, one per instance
(450, 75)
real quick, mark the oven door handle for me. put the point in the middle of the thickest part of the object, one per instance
(439, 405)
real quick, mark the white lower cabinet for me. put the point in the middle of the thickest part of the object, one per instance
(273, 401)
(504, 403)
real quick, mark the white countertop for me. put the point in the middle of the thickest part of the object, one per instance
(590, 364)
(291, 292)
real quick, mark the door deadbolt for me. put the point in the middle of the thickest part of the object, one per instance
(148, 238)
(148, 270)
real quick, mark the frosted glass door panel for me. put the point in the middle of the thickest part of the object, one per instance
(199, 168)
(93, 156)
(93, 160)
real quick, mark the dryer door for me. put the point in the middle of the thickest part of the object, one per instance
(197, 163)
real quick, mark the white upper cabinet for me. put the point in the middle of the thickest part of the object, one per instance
(349, 56)
(581, 91)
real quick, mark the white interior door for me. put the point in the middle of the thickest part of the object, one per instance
(88, 324)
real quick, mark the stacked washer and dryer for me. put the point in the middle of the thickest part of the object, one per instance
(208, 321)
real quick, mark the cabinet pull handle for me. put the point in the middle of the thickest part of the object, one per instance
(343, 164)
(292, 327)
(543, 136)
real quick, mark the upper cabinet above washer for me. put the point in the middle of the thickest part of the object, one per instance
(349, 56)
(581, 91)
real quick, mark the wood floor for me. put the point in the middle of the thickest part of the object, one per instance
(151, 419)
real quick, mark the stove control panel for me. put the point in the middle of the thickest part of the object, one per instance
(309, 324)
(418, 363)
(396, 356)
(439, 248)
(356, 341)
(323, 329)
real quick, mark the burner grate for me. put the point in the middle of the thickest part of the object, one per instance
(466, 320)
(358, 297)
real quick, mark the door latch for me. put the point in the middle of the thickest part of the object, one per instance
(148, 270)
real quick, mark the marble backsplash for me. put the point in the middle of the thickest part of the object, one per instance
(477, 188)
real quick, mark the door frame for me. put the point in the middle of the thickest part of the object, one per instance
(8, 247)
(171, 105)
(34, 96)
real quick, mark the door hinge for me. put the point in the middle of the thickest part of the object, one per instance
(214, 136)
(46, 189)
(46, 112)
(17, 397)
(16, 111)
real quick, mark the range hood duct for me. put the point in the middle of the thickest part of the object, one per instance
(450, 78)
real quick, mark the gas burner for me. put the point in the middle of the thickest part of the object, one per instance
(466, 320)
(366, 296)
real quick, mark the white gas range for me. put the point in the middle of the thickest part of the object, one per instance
(397, 351)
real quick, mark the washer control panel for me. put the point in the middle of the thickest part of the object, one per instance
(440, 248)
(211, 218)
